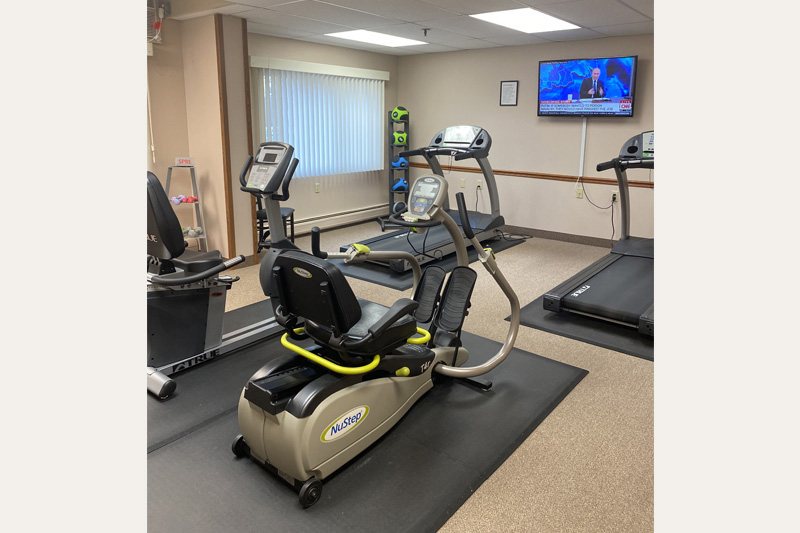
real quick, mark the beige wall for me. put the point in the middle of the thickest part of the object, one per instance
(168, 111)
(445, 89)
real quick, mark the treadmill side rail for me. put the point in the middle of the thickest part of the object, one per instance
(552, 299)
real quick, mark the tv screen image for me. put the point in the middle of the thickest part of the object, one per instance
(601, 87)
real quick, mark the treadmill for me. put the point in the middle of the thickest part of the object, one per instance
(434, 243)
(619, 287)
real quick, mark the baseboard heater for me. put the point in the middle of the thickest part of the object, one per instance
(344, 218)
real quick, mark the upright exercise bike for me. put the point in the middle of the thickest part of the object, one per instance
(354, 367)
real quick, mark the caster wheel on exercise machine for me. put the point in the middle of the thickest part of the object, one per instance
(240, 447)
(310, 492)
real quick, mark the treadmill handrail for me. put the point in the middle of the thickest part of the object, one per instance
(624, 164)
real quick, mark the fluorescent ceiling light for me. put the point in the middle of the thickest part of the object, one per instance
(526, 20)
(375, 38)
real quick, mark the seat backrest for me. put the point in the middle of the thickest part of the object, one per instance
(315, 290)
(164, 234)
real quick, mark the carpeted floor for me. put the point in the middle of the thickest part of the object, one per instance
(589, 466)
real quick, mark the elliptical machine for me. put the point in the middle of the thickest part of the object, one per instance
(355, 367)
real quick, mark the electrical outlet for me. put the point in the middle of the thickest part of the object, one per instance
(579, 192)
(316, 187)
(463, 182)
(614, 195)
(480, 184)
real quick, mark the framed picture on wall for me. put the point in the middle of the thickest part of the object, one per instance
(508, 92)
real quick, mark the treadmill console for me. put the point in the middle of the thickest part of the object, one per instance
(464, 138)
(641, 146)
(427, 193)
(269, 167)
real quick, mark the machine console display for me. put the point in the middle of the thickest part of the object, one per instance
(469, 138)
(641, 146)
(271, 162)
(426, 193)
(648, 144)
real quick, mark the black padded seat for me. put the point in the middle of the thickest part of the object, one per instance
(192, 261)
(395, 335)
(316, 291)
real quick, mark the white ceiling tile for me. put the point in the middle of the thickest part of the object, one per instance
(645, 7)
(620, 30)
(590, 13)
(275, 18)
(263, 3)
(225, 10)
(473, 7)
(571, 35)
(518, 40)
(403, 10)
(334, 14)
(275, 31)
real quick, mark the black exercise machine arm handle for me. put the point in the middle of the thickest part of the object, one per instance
(607, 165)
(287, 178)
(625, 164)
(408, 153)
(170, 281)
(315, 244)
(245, 168)
(462, 212)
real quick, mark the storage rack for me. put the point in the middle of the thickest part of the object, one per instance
(396, 174)
(198, 208)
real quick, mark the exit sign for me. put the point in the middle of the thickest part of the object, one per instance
(184, 161)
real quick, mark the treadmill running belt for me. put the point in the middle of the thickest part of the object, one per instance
(622, 291)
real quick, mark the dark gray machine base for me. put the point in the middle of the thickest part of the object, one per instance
(387, 277)
(589, 330)
(189, 407)
(413, 479)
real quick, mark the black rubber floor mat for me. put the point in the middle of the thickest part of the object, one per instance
(413, 479)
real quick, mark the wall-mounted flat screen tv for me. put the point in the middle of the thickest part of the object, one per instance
(599, 87)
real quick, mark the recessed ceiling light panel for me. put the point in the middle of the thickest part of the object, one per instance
(526, 20)
(372, 37)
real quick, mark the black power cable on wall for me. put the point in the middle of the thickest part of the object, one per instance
(610, 206)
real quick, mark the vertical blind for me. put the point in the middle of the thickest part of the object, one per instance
(335, 123)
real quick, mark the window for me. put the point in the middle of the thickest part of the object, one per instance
(335, 123)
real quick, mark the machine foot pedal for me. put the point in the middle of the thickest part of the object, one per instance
(427, 294)
(455, 299)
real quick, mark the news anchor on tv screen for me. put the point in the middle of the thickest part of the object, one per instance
(587, 87)
(592, 87)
